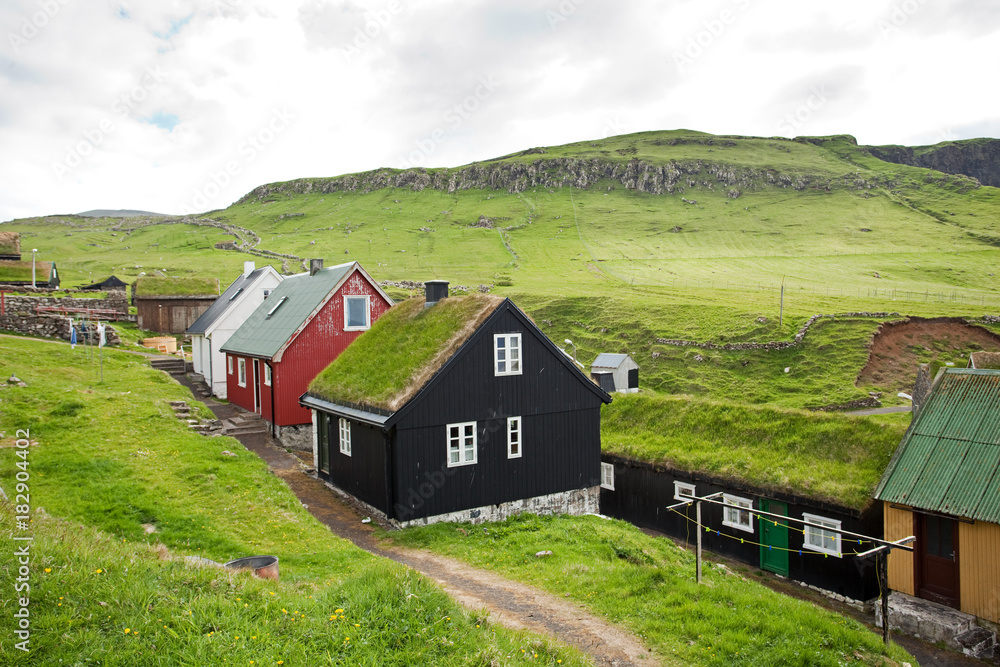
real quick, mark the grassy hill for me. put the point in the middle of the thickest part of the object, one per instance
(618, 242)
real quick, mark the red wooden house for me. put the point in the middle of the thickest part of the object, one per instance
(303, 325)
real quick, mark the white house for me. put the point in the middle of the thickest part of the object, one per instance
(616, 373)
(211, 331)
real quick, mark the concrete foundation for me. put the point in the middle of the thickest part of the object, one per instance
(576, 502)
(298, 437)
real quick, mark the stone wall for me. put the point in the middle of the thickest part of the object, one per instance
(28, 305)
(769, 345)
(49, 326)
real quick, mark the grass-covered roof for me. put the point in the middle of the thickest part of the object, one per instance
(21, 271)
(828, 457)
(10, 243)
(388, 364)
(147, 286)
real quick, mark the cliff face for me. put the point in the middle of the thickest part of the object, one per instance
(514, 177)
(978, 158)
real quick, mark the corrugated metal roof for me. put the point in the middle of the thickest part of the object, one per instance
(225, 301)
(609, 360)
(949, 460)
(284, 311)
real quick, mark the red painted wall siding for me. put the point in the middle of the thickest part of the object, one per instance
(320, 342)
(241, 396)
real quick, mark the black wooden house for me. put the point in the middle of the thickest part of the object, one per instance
(458, 409)
(651, 495)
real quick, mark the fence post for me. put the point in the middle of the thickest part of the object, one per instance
(697, 557)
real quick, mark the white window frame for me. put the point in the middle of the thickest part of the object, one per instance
(241, 379)
(507, 362)
(608, 476)
(814, 529)
(514, 439)
(368, 312)
(732, 510)
(683, 490)
(457, 441)
(344, 428)
(267, 374)
(229, 363)
(266, 291)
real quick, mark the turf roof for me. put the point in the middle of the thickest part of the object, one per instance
(387, 365)
(148, 286)
(21, 271)
(826, 457)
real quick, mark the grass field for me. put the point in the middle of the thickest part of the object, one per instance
(109, 460)
(613, 267)
(648, 585)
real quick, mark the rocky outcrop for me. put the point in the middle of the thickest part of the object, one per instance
(976, 158)
(583, 173)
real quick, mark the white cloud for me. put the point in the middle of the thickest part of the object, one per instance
(358, 84)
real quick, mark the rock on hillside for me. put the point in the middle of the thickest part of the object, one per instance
(978, 158)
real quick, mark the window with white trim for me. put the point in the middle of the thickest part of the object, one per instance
(267, 374)
(242, 378)
(507, 354)
(818, 539)
(608, 476)
(683, 490)
(461, 444)
(737, 513)
(513, 437)
(345, 437)
(266, 292)
(229, 364)
(356, 313)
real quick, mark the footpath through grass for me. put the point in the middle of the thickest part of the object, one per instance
(109, 461)
(648, 585)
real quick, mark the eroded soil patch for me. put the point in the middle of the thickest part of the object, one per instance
(899, 348)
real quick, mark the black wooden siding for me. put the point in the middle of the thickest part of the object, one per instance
(560, 428)
(363, 473)
(643, 493)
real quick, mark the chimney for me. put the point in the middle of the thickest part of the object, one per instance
(435, 291)
(314, 266)
(248, 268)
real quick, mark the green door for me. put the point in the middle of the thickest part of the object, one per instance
(774, 538)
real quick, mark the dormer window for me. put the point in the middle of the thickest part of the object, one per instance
(507, 354)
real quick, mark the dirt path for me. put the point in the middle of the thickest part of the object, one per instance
(510, 603)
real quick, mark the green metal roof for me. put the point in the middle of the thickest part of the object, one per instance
(949, 460)
(285, 311)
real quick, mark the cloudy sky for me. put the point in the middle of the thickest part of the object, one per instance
(181, 106)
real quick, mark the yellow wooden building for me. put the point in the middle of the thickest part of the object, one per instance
(943, 486)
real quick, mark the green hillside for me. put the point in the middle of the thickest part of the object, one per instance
(617, 242)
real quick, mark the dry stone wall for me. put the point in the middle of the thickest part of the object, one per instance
(28, 305)
(49, 326)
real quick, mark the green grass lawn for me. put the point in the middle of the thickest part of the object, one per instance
(828, 457)
(648, 585)
(613, 268)
(110, 459)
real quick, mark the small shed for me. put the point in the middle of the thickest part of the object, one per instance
(473, 415)
(943, 486)
(171, 305)
(623, 371)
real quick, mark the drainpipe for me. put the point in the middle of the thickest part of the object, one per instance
(274, 419)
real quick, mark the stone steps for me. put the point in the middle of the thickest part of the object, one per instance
(173, 366)
(933, 622)
(245, 423)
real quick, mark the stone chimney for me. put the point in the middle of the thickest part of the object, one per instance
(314, 266)
(248, 268)
(435, 290)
